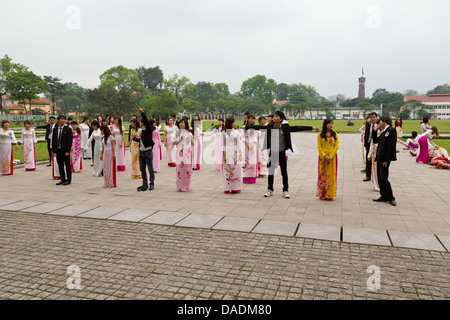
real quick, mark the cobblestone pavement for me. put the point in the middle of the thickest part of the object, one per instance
(125, 260)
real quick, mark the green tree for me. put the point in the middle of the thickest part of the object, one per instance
(442, 89)
(298, 97)
(7, 67)
(161, 105)
(379, 92)
(121, 78)
(179, 86)
(282, 92)
(55, 89)
(310, 92)
(191, 106)
(254, 105)
(151, 78)
(259, 87)
(366, 107)
(25, 85)
(414, 106)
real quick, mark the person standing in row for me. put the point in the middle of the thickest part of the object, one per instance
(370, 134)
(62, 144)
(386, 153)
(218, 153)
(96, 137)
(232, 158)
(6, 151)
(146, 152)
(28, 141)
(85, 129)
(119, 135)
(278, 141)
(108, 157)
(48, 136)
(184, 143)
(196, 130)
(373, 160)
(134, 149)
(262, 154)
(76, 151)
(170, 131)
(328, 145)
(130, 137)
(157, 153)
(250, 167)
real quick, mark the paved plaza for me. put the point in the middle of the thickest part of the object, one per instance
(204, 244)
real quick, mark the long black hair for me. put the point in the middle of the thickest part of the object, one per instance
(323, 134)
(106, 132)
(186, 123)
(229, 125)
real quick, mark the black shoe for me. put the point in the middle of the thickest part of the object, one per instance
(380, 199)
(49, 165)
(366, 179)
(392, 202)
(142, 188)
(363, 170)
(152, 187)
(60, 183)
(66, 183)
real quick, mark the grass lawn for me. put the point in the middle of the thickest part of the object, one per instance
(341, 125)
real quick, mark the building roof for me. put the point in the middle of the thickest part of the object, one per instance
(280, 103)
(430, 98)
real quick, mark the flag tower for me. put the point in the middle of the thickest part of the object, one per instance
(362, 86)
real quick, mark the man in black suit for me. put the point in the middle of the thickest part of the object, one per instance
(61, 145)
(48, 136)
(386, 152)
(278, 141)
(370, 134)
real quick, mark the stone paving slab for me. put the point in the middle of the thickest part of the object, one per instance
(445, 241)
(20, 205)
(194, 220)
(415, 240)
(132, 215)
(366, 236)
(138, 261)
(165, 218)
(73, 210)
(101, 212)
(282, 228)
(236, 224)
(4, 202)
(352, 207)
(319, 231)
(45, 207)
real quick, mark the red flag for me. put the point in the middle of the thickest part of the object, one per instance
(363, 71)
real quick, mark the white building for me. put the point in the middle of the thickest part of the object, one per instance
(440, 103)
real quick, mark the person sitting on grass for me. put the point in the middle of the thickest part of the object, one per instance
(412, 143)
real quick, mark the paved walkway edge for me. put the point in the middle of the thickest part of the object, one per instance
(377, 237)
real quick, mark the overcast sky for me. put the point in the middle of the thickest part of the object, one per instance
(401, 44)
